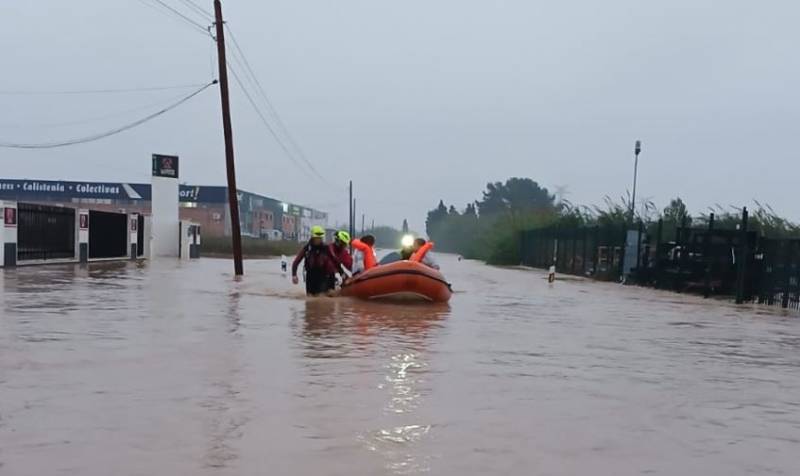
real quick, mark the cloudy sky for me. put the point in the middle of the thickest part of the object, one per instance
(421, 100)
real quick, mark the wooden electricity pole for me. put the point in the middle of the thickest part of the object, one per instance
(233, 197)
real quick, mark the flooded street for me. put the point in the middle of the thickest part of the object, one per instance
(167, 369)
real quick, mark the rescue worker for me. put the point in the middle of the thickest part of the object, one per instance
(360, 257)
(427, 259)
(341, 256)
(407, 248)
(320, 266)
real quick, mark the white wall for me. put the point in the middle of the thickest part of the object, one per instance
(165, 226)
(8, 234)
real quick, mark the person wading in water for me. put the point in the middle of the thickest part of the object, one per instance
(320, 266)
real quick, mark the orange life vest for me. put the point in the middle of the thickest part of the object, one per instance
(419, 255)
(366, 250)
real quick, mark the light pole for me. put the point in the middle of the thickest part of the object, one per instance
(637, 148)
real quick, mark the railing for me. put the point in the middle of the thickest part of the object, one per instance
(709, 261)
(45, 232)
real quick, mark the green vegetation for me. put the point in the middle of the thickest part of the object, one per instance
(489, 229)
(252, 248)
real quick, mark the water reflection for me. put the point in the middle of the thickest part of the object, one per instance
(391, 342)
(352, 325)
(175, 368)
(224, 404)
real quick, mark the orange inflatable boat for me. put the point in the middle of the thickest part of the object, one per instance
(401, 280)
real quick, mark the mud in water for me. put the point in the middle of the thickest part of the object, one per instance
(177, 369)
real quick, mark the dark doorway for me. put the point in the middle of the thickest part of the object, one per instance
(140, 236)
(108, 235)
(45, 232)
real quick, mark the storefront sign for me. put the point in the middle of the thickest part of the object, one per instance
(165, 166)
(84, 221)
(10, 217)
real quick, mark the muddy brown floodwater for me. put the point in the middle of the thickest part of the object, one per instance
(175, 369)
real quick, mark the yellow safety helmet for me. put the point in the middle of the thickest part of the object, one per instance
(317, 231)
(343, 236)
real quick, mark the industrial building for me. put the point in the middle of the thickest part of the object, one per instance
(260, 216)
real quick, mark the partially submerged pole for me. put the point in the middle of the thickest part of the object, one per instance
(233, 198)
(741, 260)
(350, 214)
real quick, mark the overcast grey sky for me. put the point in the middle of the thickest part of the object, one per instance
(422, 100)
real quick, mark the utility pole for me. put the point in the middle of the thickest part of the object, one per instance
(233, 197)
(353, 219)
(363, 217)
(350, 217)
(637, 148)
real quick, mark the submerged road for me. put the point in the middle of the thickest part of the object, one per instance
(175, 369)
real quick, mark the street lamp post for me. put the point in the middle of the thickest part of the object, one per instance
(636, 150)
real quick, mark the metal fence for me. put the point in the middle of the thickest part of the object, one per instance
(45, 232)
(587, 251)
(705, 260)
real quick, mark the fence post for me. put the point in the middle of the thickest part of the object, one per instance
(787, 258)
(621, 264)
(639, 250)
(706, 257)
(796, 266)
(679, 244)
(657, 266)
(583, 253)
(596, 251)
(742, 259)
(558, 251)
(574, 248)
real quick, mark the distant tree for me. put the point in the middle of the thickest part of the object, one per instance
(405, 226)
(435, 219)
(471, 211)
(676, 212)
(515, 195)
(452, 211)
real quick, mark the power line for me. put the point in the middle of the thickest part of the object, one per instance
(97, 91)
(198, 9)
(90, 119)
(309, 170)
(185, 19)
(102, 135)
(276, 117)
(264, 119)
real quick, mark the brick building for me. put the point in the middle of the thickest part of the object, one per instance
(260, 216)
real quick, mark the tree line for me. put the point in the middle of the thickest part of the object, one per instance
(489, 229)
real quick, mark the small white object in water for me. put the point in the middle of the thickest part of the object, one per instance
(551, 277)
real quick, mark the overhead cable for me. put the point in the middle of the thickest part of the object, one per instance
(270, 108)
(202, 11)
(102, 135)
(87, 120)
(264, 119)
(177, 14)
(97, 91)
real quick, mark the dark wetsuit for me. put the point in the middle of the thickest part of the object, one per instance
(341, 259)
(320, 268)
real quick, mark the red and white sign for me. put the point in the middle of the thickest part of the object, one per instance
(84, 221)
(10, 216)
